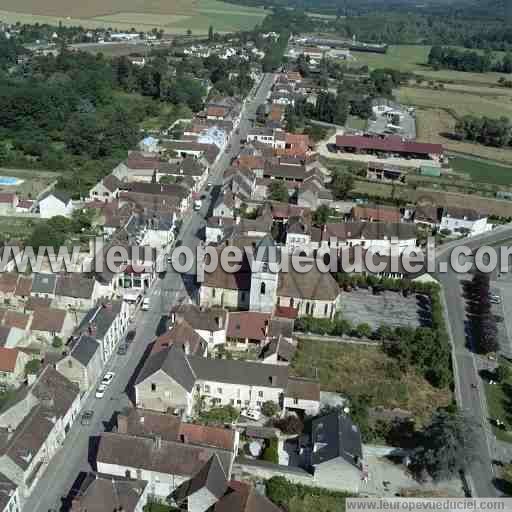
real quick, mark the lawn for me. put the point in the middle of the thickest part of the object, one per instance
(433, 123)
(34, 182)
(177, 16)
(366, 370)
(499, 405)
(484, 171)
(356, 123)
(413, 58)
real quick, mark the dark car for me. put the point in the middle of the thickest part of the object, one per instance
(122, 350)
(130, 336)
(86, 417)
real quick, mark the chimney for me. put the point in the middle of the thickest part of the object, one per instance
(122, 424)
(157, 442)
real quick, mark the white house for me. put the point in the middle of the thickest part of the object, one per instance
(464, 221)
(379, 236)
(106, 190)
(52, 204)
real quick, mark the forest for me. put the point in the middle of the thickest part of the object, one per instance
(78, 113)
(467, 60)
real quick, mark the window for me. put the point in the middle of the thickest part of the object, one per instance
(153, 386)
(70, 363)
(213, 293)
(232, 402)
(307, 308)
(219, 391)
(239, 402)
(260, 394)
(326, 309)
(295, 400)
(258, 404)
(247, 403)
(127, 474)
(262, 289)
(206, 388)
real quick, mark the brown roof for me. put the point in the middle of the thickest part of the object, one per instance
(313, 285)
(8, 357)
(392, 144)
(8, 282)
(101, 493)
(303, 389)
(248, 324)
(15, 319)
(241, 497)
(7, 197)
(24, 286)
(49, 320)
(111, 183)
(181, 334)
(216, 112)
(171, 457)
(34, 303)
(205, 319)
(219, 278)
(376, 213)
(142, 422)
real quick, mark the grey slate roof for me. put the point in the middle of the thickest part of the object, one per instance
(211, 477)
(84, 349)
(61, 196)
(174, 363)
(98, 319)
(75, 285)
(44, 283)
(240, 372)
(338, 437)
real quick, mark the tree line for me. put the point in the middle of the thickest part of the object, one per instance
(485, 130)
(468, 60)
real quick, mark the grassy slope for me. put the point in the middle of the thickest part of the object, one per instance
(499, 405)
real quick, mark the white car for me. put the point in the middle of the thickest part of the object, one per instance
(100, 392)
(108, 378)
(146, 304)
(252, 414)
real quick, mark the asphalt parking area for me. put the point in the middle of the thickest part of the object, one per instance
(391, 308)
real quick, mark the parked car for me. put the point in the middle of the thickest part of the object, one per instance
(100, 392)
(86, 417)
(123, 349)
(108, 378)
(252, 414)
(130, 336)
(146, 304)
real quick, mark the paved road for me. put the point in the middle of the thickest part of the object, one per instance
(73, 456)
(471, 400)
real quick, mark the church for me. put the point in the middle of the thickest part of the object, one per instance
(258, 287)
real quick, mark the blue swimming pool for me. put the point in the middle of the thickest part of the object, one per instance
(9, 180)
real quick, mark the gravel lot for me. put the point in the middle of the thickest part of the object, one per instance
(392, 308)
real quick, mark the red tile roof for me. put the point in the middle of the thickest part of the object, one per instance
(8, 357)
(15, 319)
(208, 436)
(216, 112)
(7, 197)
(376, 213)
(392, 144)
(248, 324)
(48, 320)
(286, 312)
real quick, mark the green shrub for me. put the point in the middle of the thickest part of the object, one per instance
(270, 453)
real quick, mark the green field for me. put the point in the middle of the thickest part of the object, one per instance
(483, 171)
(459, 102)
(173, 17)
(414, 59)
